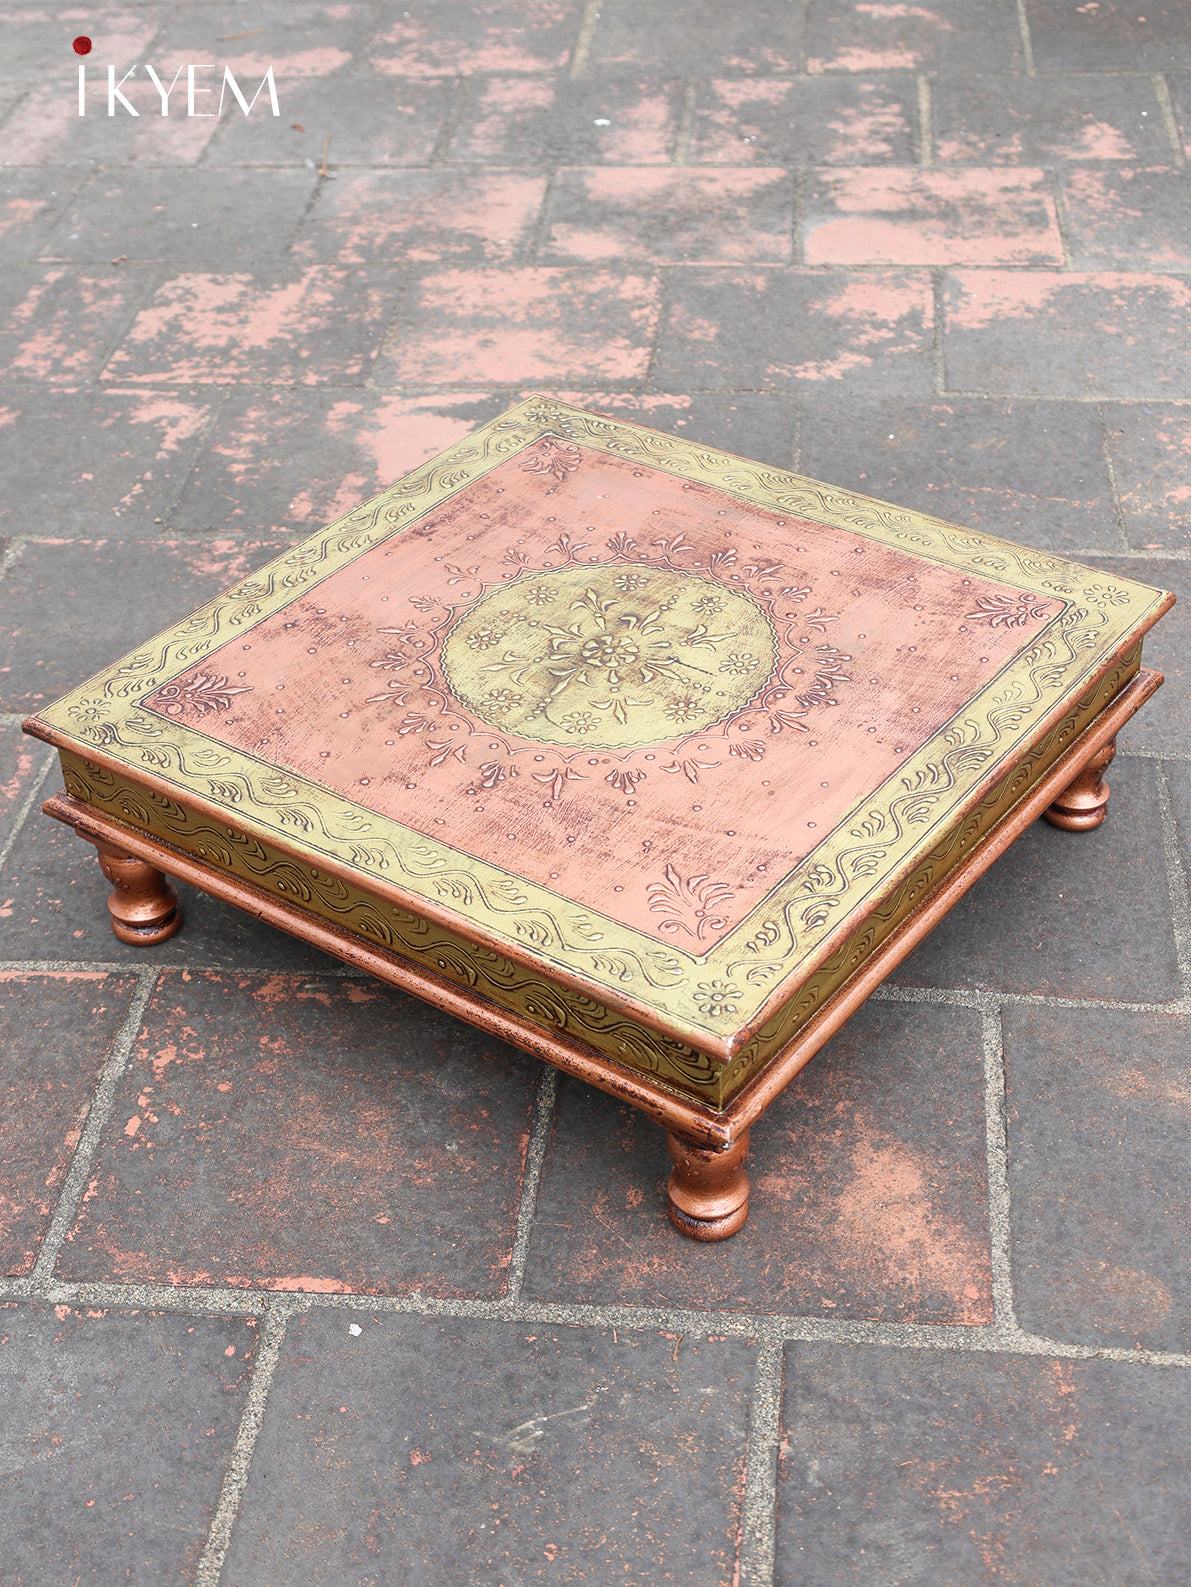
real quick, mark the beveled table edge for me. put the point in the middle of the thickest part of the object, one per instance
(716, 1128)
(670, 1008)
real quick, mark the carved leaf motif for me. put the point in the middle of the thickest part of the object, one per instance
(625, 781)
(558, 778)
(1006, 611)
(690, 769)
(198, 694)
(550, 457)
(691, 906)
(444, 751)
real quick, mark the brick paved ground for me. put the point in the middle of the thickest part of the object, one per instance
(308, 1284)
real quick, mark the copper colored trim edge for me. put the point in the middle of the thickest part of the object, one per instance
(748, 1105)
(674, 1113)
(667, 1109)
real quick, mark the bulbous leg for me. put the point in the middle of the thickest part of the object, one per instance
(708, 1190)
(1082, 805)
(144, 905)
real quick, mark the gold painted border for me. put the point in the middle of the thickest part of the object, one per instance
(718, 1001)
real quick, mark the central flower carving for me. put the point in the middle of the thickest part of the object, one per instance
(609, 657)
(607, 650)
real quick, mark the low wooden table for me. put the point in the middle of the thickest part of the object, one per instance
(649, 760)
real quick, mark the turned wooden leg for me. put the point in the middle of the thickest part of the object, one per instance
(144, 905)
(708, 1190)
(1082, 805)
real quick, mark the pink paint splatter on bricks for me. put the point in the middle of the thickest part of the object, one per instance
(869, 131)
(858, 59)
(18, 212)
(318, 62)
(46, 126)
(884, 313)
(729, 132)
(983, 297)
(887, 1229)
(1096, 141)
(738, 217)
(1104, 221)
(12, 788)
(1115, 1299)
(530, 325)
(178, 421)
(963, 146)
(203, 327)
(58, 328)
(427, 216)
(493, 105)
(533, 37)
(224, 562)
(933, 218)
(310, 506)
(398, 433)
(640, 133)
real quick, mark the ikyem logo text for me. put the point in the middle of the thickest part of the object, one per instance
(193, 88)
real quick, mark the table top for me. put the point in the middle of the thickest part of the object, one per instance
(662, 723)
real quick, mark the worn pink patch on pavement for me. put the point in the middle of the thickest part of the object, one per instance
(389, 217)
(526, 325)
(972, 217)
(607, 213)
(324, 324)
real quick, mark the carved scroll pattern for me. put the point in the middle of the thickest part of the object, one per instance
(475, 968)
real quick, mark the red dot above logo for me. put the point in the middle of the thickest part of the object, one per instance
(82, 45)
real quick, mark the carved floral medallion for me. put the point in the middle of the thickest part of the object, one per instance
(615, 656)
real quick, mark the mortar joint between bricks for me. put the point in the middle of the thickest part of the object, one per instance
(798, 219)
(996, 1122)
(543, 1117)
(538, 232)
(1176, 877)
(588, 23)
(438, 155)
(766, 1327)
(758, 1530)
(219, 1536)
(152, 279)
(1027, 43)
(1110, 470)
(938, 349)
(26, 807)
(1055, 183)
(686, 123)
(926, 133)
(649, 381)
(98, 1113)
(1169, 119)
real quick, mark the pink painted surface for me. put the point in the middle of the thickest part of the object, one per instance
(318, 326)
(391, 217)
(609, 213)
(58, 330)
(678, 835)
(46, 125)
(526, 325)
(528, 37)
(970, 217)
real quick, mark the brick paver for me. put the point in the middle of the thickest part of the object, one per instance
(304, 1282)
